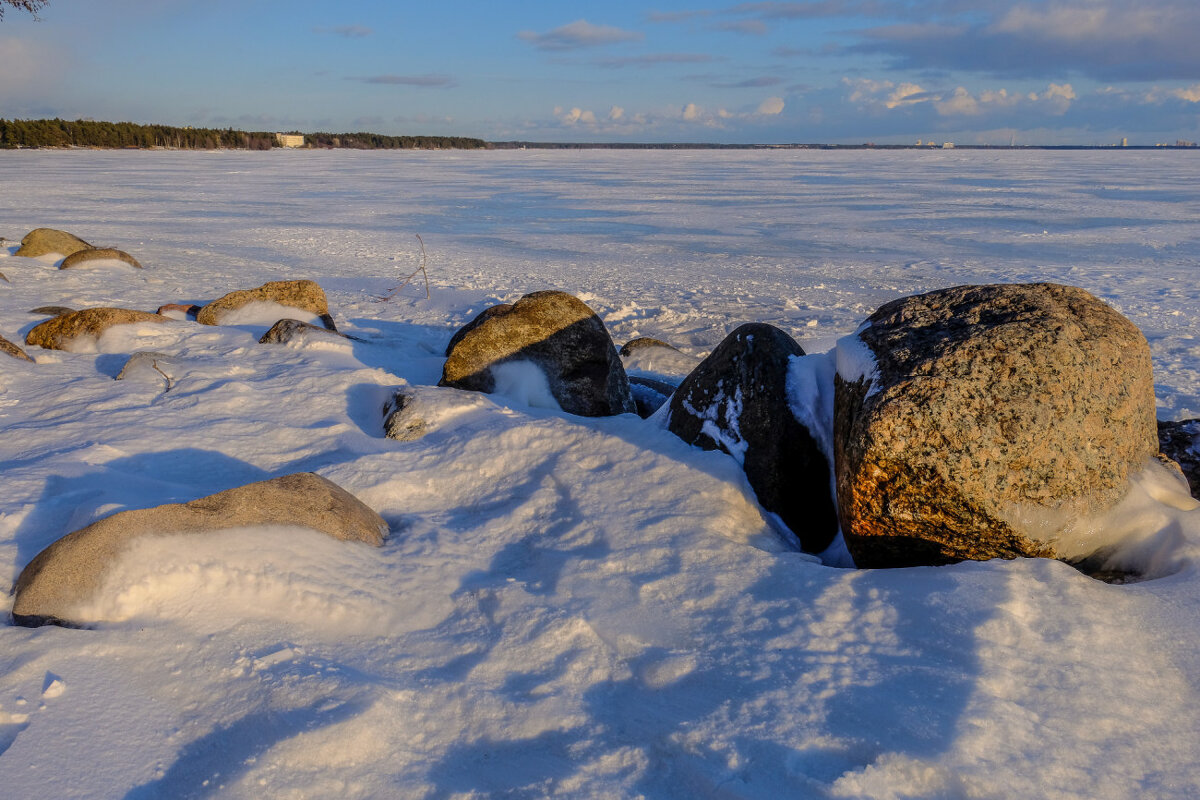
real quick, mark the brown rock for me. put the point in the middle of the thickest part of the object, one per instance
(51, 311)
(303, 295)
(57, 333)
(42, 241)
(484, 316)
(559, 334)
(8, 348)
(191, 310)
(737, 400)
(98, 254)
(992, 410)
(70, 571)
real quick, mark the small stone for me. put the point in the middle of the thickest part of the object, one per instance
(402, 419)
(8, 348)
(293, 330)
(98, 254)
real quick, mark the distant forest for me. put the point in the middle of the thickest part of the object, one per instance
(88, 133)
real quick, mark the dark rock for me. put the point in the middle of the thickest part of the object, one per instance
(1180, 441)
(991, 411)
(70, 571)
(8, 348)
(43, 241)
(649, 394)
(303, 295)
(737, 400)
(643, 342)
(59, 332)
(293, 330)
(52, 311)
(81, 257)
(402, 418)
(561, 336)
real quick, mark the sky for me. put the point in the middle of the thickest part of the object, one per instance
(845, 71)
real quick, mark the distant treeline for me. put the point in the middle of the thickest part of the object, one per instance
(88, 133)
(377, 141)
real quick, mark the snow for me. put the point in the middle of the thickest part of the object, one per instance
(565, 606)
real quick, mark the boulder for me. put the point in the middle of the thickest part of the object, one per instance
(81, 257)
(649, 394)
(737, 400)
(979, 422)
(8, 348)
(43, 241)
(561, 336)
(57, 333)
(69, 572)
(642, 343)
(402, 418)
(187, 310)
(4, 278)
(293, 330)
(1180, 442)
(303, 295)
(51, 311)
(484, 316)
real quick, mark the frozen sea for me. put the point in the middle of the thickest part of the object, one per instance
(564, 607)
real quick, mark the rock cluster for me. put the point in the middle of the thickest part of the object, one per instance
(68, 572)
(48, 241)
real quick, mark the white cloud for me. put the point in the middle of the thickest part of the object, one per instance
(575, 116)
(865, 90)
(1189, 93)
(691, 112)
(960, 102)
(907, 94)
(1056, 100)
(615, 113)
(771, 106)
(1058, 97)
(579, 33)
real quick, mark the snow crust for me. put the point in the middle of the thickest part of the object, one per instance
(565, 606)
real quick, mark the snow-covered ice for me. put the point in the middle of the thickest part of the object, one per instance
(565, 606)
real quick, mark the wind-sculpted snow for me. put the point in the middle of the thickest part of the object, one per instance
(564, 606)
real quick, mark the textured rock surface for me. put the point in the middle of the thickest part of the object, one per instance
(57, 333)
(289, 330)
(737, 400)
(995, 413)
(303, 295)
(8, 348)
(68, 572)
(51, 311)
(81, 257)
(43, 241)
(559, 334)
(484, 316)
(1180, 441)
(402, 418)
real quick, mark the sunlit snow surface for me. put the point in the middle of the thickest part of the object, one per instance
(565, 606)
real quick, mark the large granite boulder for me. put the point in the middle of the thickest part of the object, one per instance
(69, 572)
(81, 257)
(303, 295)
(981, 421)
(59, 332)
(8, 348)
(1180, 442)
(737, 400)
(43, 241)
(561, 336)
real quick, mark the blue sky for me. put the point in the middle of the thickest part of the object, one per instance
(1037, 71)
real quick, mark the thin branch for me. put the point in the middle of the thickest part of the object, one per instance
(421, 269)
(157, 369)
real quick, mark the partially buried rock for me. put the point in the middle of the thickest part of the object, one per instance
(44, 241)
(51, 311)
(649, 394)
(558, 334)
(59, 332)
(737, 400)
(402, 417)
(8, 348)
(82, 257)
(293, 330)
(69, 572)
(303, 295)
(1180, 441)
(982, 421)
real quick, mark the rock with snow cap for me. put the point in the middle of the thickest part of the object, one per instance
(558, 334)
(991, 418)
(70, 571)
(737, 400)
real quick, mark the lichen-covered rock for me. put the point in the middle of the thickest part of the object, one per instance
(43, 241)
(59, 332)
(8, 348)
(1180, 442)
(69, 572)
(561, 336)
(293, 330)
(81, 257)
(990, 419)
(737, 400)
(302, 294)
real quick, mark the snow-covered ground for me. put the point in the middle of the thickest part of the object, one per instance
(565, 606)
